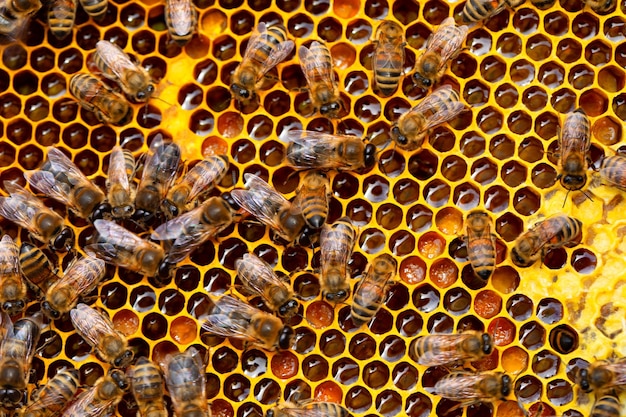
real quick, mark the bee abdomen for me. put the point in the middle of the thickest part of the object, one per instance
(95, 8)
(61, 17)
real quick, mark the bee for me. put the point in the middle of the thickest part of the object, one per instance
(607, 405)
(95, 8)
(266, 48)
(370, 292)
(192, 229)
(553, 232)
(309, 409)
(159, 172)
(388, 56)
(97, 330)
(259, 278)
(270, 207)
(446, 349)
(120, 247)
(37, 268)
(470, 389)
(186, 383)
(61, 16)
(312, 198)
(316, 150)
(50, 400)
(61, 180)
(16, 354)
(96, 97)
(574, 144)
(317, 65)
(14, 15)
(81, 277)
(476, 10)
(441, 47)
(198, 181)
(147, 388)
(601, 6)
(436, 108)
(602, 375)
(232, 317)
(100, 399)
(115, 65)
(181, 18)
(613, 170)
(481, 244)
(119, 191)
(336, 244)
(43, 224)
(12, 287)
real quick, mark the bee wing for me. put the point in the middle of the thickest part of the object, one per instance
(91, 324)
(318, 71)
(113, 239)
(314, 149)
(278, 53)
(333, 248)
(301, 412)
(115, 58)
(231, 318)
(260, 200)
(444, 350)
(10, 254)
(446, 45)
(160, 166)
(87, 401)
(462, 384)
(181, 12)
(21, 206)
(619, 370)
(61, 163)
(444, 115)
(45, 182)
(258, 275)
(117, 169)
(83, 275)
(217, 169)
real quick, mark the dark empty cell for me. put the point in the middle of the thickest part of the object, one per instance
(442, 139)
(359, 211)
(30, 157)
(556, 23)
(526, 20)
(484, 171)
(409, 323)
(154, 326)
(551, 74)
(406, 11)
(502, 147)
(346, 371)
(526, 201)
(149, 116)
(472, 144)
(372, 241)
(375, 188)
(584, 261)
(205, 72)
(466, 196)
(7, 154)
(201, 122)
(528, 389)
(242, 23)
(436, 193)
(358, 31)
(522, 72)
(230, 250)
(10, 105)
(19, 131)
(171, 302)
(563, 339)
(345, 185)
(453, 168)
(42, 59)
(117, 36)
(314, 368)
(476, 93)
(619, 106)
(530, 150)
(532, 335)
(611, 79)
(560, 392)
(321, 124)
(332, 343)
(509, 45)
(401, 243)
(546, 125)
(417, 34)
(426, 298)
(224, 48)
(300, 26)
(406, 191)
(389, 216)
(594, 102)
(143, 42)
(367, 109)
(457, 301)
(75, 135)
(375, 374)
(585, 25)
(236, 387)
(423, 164)
(356, 83)
(464, 65)
(581, 76)
(513, 173)
(132, 16)
(546, 364)
(272, 153)
(260, 127)
(37, 108)
(479, 42)
(496, 199)
(489, 120)
(391, 163)
(519, 307)
(535, 98)
(277, 103)
(569, 50)
(563, 100)
(266, 391)
(25, 82)
(543, 175)
(294, 259)
(497, 22)
(376, 9)
(506, 95)
(440, 323)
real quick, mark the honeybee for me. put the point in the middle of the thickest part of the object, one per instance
(198, 181)
(436, 108)
(476, 10)
(95, 8)
(470, 389)
(259, 278)
(232, 317)
(388, 56)
(601, 6)
(37, 268)
(312, 198)
(119, 191)
(120, 247)
(192, 229)
(159, 172)
(97, 330)
(61, 16)
(270, 207)
(309, 149)
(442, 46)
(99, 400)
(12, 288)
(336, 244)
(266, 48)
(317, 65)
(96, 97)
(181, 19)
(50, 400)
(553, 232)
(14, 15)
(481, 244)
(16, 354)
(81, 277)
(43, 224)
(445, 349)
(602, 375)
(147, 388)
(574, 144)
(613, 170)
(608, 405)
(61, 180)
(370, 292)
(309, 409)
(115, 65)
(186, 383)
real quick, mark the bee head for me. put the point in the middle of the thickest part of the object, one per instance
(421, 80)
(330, 108)
(164, 272)
(240, 91)
(285, 338)
(506, 385)
(231, 201)
(50, 312)
(369, 155)
(336, 297)
(123, 361)
(119, 378)
(64, 240)
(101, 211)
(287, 308)
(13, 307)
(143, 95)
(583, 380)
(143, 217)
(487, 346)
(399, 137)
(11, 397)
(270, 413)
(170, 208)
(573, 182)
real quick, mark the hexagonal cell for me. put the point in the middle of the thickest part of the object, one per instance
(464, 65)
(496, 199)
(19, 131)
(526, 20)
(519, 122)
(598, 53)
(546, 125)
(466, 196)
(556, 23)
(594, 102)
(479, 42)
(569, 50)
(551, 74)
(489, 120)
(7, 154)
(14, 57)
(476, 93)
(611, 79)
(563, 100)
(514, 173)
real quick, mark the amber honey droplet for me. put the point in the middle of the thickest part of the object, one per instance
(183, 330)
(487, 304)
(328, 391)
(502, 330)
(514, 360)
(126, 321)
(319, 314)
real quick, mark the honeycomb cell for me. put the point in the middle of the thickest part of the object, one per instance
(154, 326)
(514, 173)
(142, 299)
(532, 335)
(484, 171)
(10, 106)
(556, 23)
(7, 154)
(489, 120)
(563, 339)
(457, 301)
(594, 102)
(559, 392)
(30, 157)
(514, 360)
(480, 42)
(476, 93)
(14, 57)
(598, 53)
(19, 131)
(585, 25)
(569, 50)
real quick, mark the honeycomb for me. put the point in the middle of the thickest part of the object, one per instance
(521, 71)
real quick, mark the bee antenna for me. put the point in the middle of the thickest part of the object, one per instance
(565, 199)
(160, 99)
(587, 195)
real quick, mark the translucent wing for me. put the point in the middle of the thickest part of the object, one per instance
(88, 406)
(213, 170)
(117, 169)
(116, 245)
(45, 182)
(91, 324)
(260, 200)
(22, 334)
(59, 163)
(9, 257)
(301, 412)
(460, 386)
(231, 318)
(315, 69)
(83, 275)
(182, 16)
(619, 370)
(309, 149)
(22, 207)
(162, 163)
(116, 59)
(444, 349)
(447, 40)
(437, 116)
(277, 54)
(333, 248)
(258, 275)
